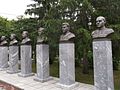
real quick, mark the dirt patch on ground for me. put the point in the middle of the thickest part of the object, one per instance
(6, 86)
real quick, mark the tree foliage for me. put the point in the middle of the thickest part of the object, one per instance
(6, 26)
(81, 15)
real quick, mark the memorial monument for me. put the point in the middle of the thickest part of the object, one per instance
(42, 57)
(102, 55)
(26, 53)
(3, 53)
(13, 55)
(67, 58)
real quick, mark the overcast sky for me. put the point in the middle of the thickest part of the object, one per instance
(12, 8)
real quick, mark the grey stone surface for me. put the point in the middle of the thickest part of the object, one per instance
(13, 59)
(42, 56)
(29, 84)
(67, 64)
(26, 61)
(103, 69)
(3, 57)
(68, 87)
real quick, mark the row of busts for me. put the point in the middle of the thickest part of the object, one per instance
(4, 41)
(66, 36)
(101, 32)
(25, 38)
(13, 39)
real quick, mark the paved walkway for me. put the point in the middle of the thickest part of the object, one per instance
(29, 84)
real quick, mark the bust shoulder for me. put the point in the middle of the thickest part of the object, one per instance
(68, 36)
(71, 35)
(26, 41)
(4, 43)
(104, 33)
(14, 42)
(41, 39)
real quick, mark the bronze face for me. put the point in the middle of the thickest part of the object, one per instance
(65, 28)
(3, 38)
(40, 30)
(12, 36)
(24, 34)
(100, 22)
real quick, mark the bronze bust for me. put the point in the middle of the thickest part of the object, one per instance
(67, 35)
(41, 38)
(102, 31)
(3, 41)
(26, 39)
(13, 39)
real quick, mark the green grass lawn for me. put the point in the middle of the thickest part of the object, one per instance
(80, 77)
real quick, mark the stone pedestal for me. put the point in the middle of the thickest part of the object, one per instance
(42, 56)
(13, 60)
(3, 58)
(67, 65)
(103, 69)
(26, 61)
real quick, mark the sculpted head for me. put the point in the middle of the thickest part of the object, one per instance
(65, 28)
(3, 38)
(102, 31)
(13, 36)
(100, 22)
(24, 34)
(40, 30)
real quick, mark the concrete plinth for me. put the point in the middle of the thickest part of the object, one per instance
(67, 65)
(26, 61)
(13, 60)
(3, 58)
(42, 56)
(103, 68)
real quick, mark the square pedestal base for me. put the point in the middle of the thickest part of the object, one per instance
(42, 80)
(68, 87)
(12, 72)
(3, 69)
